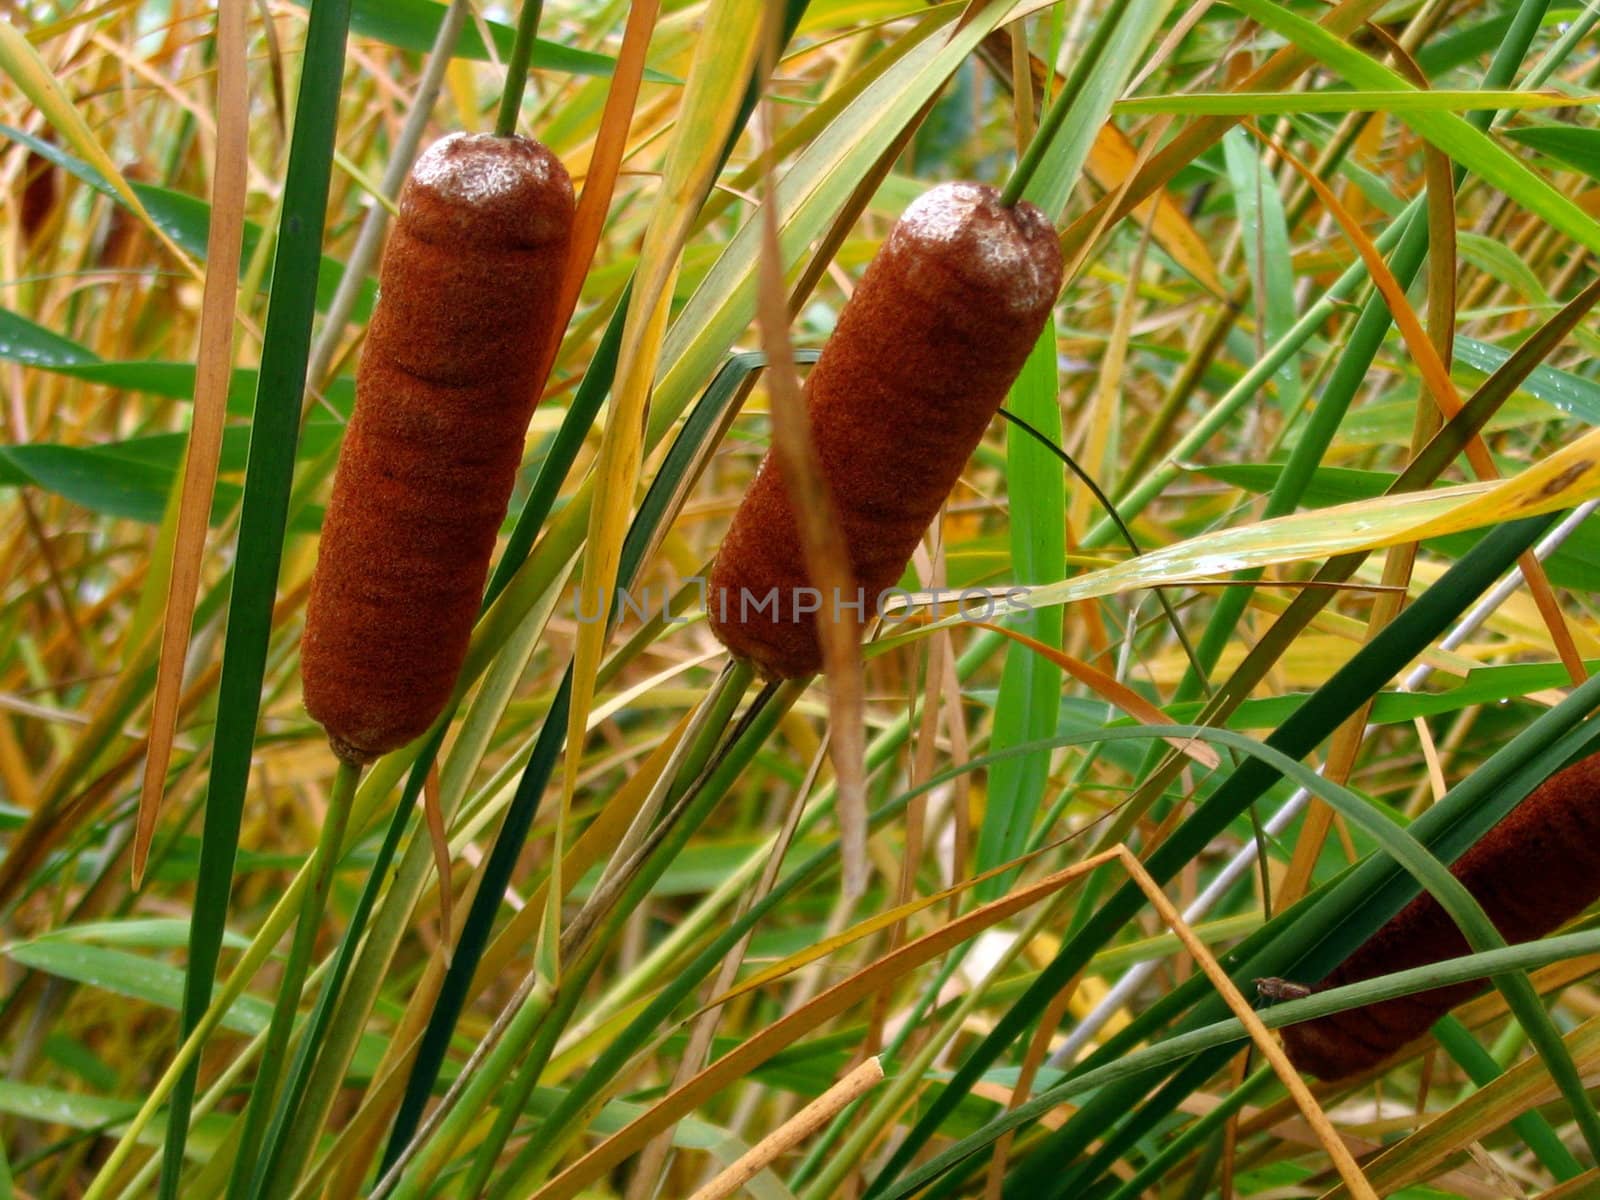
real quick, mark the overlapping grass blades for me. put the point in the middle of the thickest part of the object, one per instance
(1321, 713)
(264, 508)
(1215, 348)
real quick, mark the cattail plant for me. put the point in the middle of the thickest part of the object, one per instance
(443, 396)
(618, 938)
(1538, 868)
(448, 379)
(920, 361)
(40, 192)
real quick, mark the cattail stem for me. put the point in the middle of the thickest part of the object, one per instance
(705, 745)
(505, 122)
(242, 1181)
(1057, 115)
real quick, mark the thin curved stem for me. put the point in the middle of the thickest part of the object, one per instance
(1057, 114)
(505, 122)
(312, 904)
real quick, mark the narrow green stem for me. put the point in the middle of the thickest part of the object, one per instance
(754, 728)
(327, 1040)
(611, 906)
(867, 1125)
(1483, 1070)
(1057, 116)
(1166, 1161)
(505, 123)
(533, 1026)
(416, 1166)
(530, 1064)
(312, 904)
(727, 693)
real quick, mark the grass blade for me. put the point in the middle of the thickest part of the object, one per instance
(1315, 719)
(213, 374)
(286, 345)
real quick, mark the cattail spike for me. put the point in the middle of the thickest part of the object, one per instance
(922, 357)
(1534, 871)
(40, 192)
(447, 382)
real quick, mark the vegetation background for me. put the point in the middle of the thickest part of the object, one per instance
(1326, 346)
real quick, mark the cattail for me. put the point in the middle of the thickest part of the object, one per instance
(1538, 868)
(467, 297)
(39, 194)
(922, 357)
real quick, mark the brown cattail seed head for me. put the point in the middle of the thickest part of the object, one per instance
(467, 300)
(922, 357)
(40, 191)
(1535, 870)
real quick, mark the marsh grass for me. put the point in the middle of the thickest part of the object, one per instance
(1327, 343)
